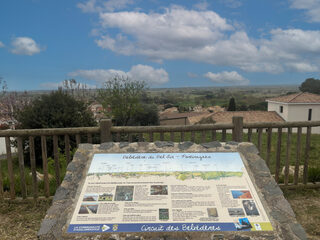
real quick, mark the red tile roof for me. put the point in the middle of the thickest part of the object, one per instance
(302, 97)
(248, 116)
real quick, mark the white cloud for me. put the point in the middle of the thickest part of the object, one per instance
(139, 72)
(162, 35)
(148, 74)
(24, 46)
(1, 44)
(229, 78)
(91, 6)
(312, 8)
(204, 36)
(295, 49)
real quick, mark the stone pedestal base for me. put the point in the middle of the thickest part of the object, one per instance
(279, 211)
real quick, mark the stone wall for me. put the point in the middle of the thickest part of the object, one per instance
(279, 211)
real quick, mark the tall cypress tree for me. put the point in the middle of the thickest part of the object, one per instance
(232, 104)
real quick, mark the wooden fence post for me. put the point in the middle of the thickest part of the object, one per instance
(10, 169)
(105, 130)
(21, 167)
(1, 183)
(237, 133)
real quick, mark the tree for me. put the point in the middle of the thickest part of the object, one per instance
(123, 97)
(146, 116)
(10, 103)
(310, 85)
(232, 104)
(262, 106)
(77, 90)
(242, 107)
(54, 110)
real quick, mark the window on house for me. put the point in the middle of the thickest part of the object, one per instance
(310, 114)
(281, 109)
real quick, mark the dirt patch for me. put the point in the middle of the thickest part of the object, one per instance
(306, 205)
(21, 219)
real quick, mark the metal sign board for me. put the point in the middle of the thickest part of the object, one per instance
(168, 192)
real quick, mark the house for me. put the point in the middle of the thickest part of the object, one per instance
(6, 124)
(171, 116)
(97, 110)
(301, 106)
(3, 150)
(174, 118)
(192, 118)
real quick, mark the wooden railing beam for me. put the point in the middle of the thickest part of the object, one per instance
(282, 124)
(48, 131)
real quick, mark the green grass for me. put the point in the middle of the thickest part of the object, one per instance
(28, 177)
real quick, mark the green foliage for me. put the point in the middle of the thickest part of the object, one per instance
(232, 104)
(242, 107)
(145, 116)
(262, 106)
(310, 85)
(28, 176)
(314, 174)
(54, 110)
(246, 98)
(123, 96)
(62, 164)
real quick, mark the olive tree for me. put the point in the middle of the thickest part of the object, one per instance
(122, 98)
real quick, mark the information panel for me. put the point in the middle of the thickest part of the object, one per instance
(168, 192)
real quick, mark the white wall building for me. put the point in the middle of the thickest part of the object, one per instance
(3, 147)
(297, 107)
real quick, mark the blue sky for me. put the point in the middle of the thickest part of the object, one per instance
(165, 43)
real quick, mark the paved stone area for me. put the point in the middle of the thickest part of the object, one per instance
(280, 213)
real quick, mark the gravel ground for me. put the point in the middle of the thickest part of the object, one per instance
(306, 205)
(21, 219)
